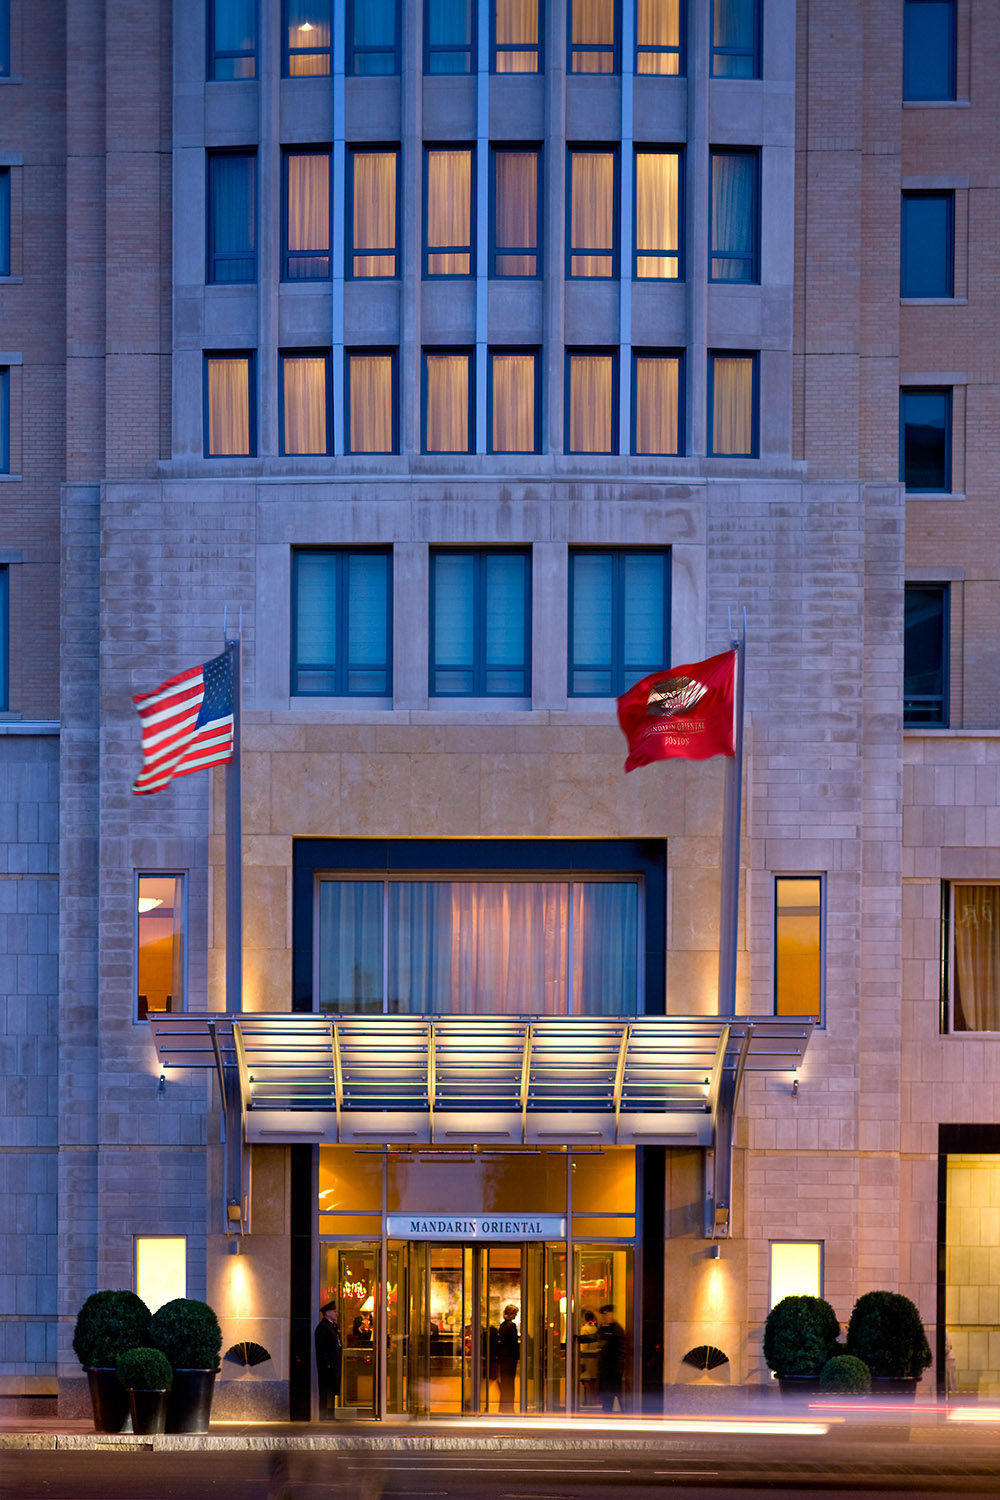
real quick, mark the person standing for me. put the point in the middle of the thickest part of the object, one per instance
(508, 1355)
(329, 1358)
(611, 1358)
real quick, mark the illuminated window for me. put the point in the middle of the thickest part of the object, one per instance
(656, 402)
(449, 420)
(306, 191)
(305, 403)
(372, 37)
(516, 221)
(341, 622)
(372, 423)
(735, 216)
(736, 38)
(160, 943)
(449, 36)
(927, 245)
(732, 428)
(514, 424)
(657, 215)
(160, 1268)
(593, 36)
(480, 624)
(658, 36)
(925, 653)
(925, 439)
(232, 39)
(448, 211)
(307, 37)
(796, 1269)
(593, 212)
(929, 51)
(374, 207)
(230, 400)
(232, 216)
(591, 401)
(4, 221)
(798, 945)
(619, 619)
(516, 32)
(975, 957)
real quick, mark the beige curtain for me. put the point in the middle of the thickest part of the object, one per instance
(592, 213)
(305, 404)
(228, 405)
(732, 404)
(657, 25)
(374, 213)
(371, 403)
(513, 403)
(516, 21)
(976, 920)
(309, 64)
(657, 215)
(593, 24)
(449, 212)
(656, 404)
(516, 217)
(309, 202)
(448, 413)
(591, 419)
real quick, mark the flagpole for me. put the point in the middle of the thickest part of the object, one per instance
(234, 849)
(729, 894)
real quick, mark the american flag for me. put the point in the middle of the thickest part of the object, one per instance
(187, 724)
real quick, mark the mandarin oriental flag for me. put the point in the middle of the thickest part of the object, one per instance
(684, 712)
(187, 724)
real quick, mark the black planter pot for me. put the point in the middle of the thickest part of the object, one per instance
(189, 1407)
(799, 1385)
(149, 1411)
(904, 1386)
(109, 1399)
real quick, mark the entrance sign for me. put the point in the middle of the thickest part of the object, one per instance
(431, 1226)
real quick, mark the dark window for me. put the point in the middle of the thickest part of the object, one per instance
(4, 420)
(658, 33)
(372, 406)
(657, 214)
(514, 406)
(593, 36)
(4, 38)
(307, 38)
(591, 401)
(230, 405)
(516, 222)
(372, 37)
(232, 39)
(516, 37)
(929, 50)
(448, 401)
(232, 216)
(448, 210)
(593, 212)
(4, 638)
(733, 404)
(925, 439)
(619, 620)
(657, 401)
(736, 38)
(374, 211)
(480, 631)
(927, 241)
(925, 654)
(305, 402)
(4, 221)
(735, 216)
(341, 623)
(449, 36)
(306, 192)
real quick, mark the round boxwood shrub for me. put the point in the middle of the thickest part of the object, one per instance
(844, 1375)
(107, 1324)
(143, 1369)
(886, 1331)
(188, 1332)
(800, 1335)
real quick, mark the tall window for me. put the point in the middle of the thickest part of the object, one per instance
(925, 439)
(374, 231)
(591, 401)
(449, 421)
(925, 654)
(230, 402)
(160, 1268)
(736, 38)
(4, 38)
(448, 174)
(975, 957)
(656, 402)
(516, 224)
(232, 39)
(307, 216)
(480, 624)
(341, 623)
(657, 214)
(232, 216)
(593, 212)
(160, 943)
(307, 37)
(449, 36)
(514, 424)
(372, 37)
(593, 36)
(4, 419)
(732, 404)
(735, 216)
(305, 402)
(658, 36)
(798, 945)
(4, 638)
(929, 51)
(4, 221)
(516, 36)
(619, 619)
(927, 245)
(372, 423)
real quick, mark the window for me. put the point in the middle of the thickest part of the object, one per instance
(796, 1269)
(448, 394)
(232, 39)
(975, 957)
(307, 37)
(4, 38)
(372, 37)
(232, 216)
(735, 216)
(593, 36)
(372, 423)
(925, 654)
(516, 33)
(516, 225)
(305, 403)
(514, 405)
(307, 216)
(449, 211)
(925, 439)
(927, 244)
(732, 428)
(4, 221)
(160, 1268)
(449, 36)
(374, 208)
(657, 214)
(798, 945)
(593, 212)
(230, 405)
(929, 51)
(656, 402)
(4, 638)
(160, 943)
(736, 38)
(341, 623)
(4, 419)
(619, 619)
(591, 401)
(480, 628)
(658, 36)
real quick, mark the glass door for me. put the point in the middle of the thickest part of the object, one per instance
(350, 1279)
(604, 1333)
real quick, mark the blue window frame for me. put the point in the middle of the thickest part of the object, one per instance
(4, 38)
(4, 638)
(373, 212)
(516, 28)
(230, 404)
(925, 654)
(658, 401)
(304, 411)
(594, 36)
(449, 210)
(372, 401)
(449, 36)
(372, 38)
(927, 245)
(448, 401)
(342, 622)
(232, 39)
(733, 404)
(736, 26)
(619, 619)
(925, 438)
(306, 37)
(4, 221)
(656, 209)
(735, 207)
(516, 217)
(591, 401)
(592, 212)
(305, 193)
(659, 37)
(514, 401)
(161, 946)
(480, 628)
(4, 419)
(929, 50)
(231, 216)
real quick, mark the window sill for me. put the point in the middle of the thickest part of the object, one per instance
(935, 494)
(933, 301)
(11, 280)
(10, 478)
(937, 103)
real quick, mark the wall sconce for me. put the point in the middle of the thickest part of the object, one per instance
(234, 1247)
(715, 1252)
(795, 1088)
(161, 1087)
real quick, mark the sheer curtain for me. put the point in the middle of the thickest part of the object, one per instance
(734, 228)
(316, 643)
(605, 949)
(593, 26)
(515, 229)
(644, 614)
(350, 946)
(591, 415)
(732, 405)
(657, 380)
(453, 621)
(448, 417)
(449, 213)
(513, 403)
(308, 37)
(592, 584)
(516, 25)
(228, 405)
(308, 228)
(506, 589)
(657, 214)
(231, 216)
(305, 405)
(374, 203)
(658, 30)
(371, 403)
(976, 920)
(733, 24)
(592, 213)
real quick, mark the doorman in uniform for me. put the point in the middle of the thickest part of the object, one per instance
(329, 1358)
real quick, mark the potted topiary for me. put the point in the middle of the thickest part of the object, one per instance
(106, 1325)
(886, 1331)
(845, 1375)
(147, 1376)
(800, 1335)
(188, 1333)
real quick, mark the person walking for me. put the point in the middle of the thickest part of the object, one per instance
(611, 1358)
(329, 1358)
(508, 1355)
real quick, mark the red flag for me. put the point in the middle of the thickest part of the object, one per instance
(685, 712)
(187, 724)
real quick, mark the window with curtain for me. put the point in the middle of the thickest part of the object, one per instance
(735, 210)
(732, 405)
(307, 216)
(591, 401)
(925, 439)
(480, 633)
(516, 223)
(619, 619)
(449, 420)
(975, 957)
(927, 245)
(656, 401)
(160, 943)
(925, 653)
(448, 176)
(230, 428)
(516, 34)
(4, 221)
(307, 38)
(929, 50)
(593, 212)
(374, 179)
(658, 36)
(736, 38)
(514, 424)
(798, 945)
(449, 35)
(593, 36)
(371, 401)
(232, 39)
(4, 419)
(232, 216)
(372, 37)
(342, 622)
(4, 638)
(305, 402)
(657, 214)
